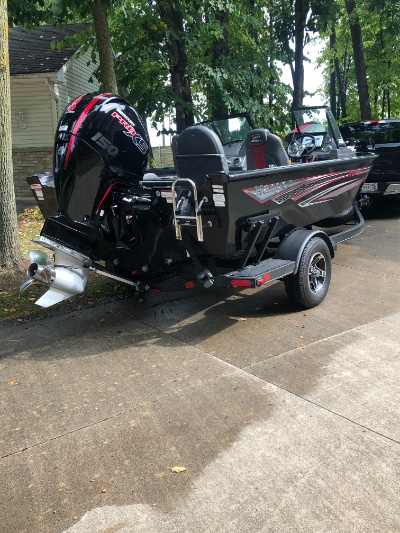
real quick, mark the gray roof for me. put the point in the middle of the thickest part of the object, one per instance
(30, 51)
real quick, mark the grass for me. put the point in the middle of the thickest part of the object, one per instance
(16, 306)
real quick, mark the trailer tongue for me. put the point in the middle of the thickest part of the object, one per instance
(204, 221)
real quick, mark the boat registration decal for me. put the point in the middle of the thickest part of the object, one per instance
(219, 200)
(218, 195)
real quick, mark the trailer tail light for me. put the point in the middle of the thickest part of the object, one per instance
(263, 279)
(189, 285)
(241, 283)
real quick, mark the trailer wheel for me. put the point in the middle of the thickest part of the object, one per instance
(308, 287)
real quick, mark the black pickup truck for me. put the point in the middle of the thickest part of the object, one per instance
(383, 138)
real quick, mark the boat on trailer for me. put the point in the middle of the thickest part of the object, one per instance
(238, 210)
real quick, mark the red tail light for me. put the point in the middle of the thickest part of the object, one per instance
(263, 279)
(241, 283)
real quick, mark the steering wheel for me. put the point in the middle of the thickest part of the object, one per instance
(301, 145)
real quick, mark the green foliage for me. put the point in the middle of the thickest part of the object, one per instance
(380, 23)
(245, 78)
(28, 13)
(233, 50)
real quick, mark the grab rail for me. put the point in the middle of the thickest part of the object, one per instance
(187, 220)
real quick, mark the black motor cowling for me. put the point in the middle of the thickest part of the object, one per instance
(101, 146)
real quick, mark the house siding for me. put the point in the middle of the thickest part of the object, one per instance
(74, 80)
(35, 103)
(33, 132)
(162, 156)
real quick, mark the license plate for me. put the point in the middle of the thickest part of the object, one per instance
(369, 187)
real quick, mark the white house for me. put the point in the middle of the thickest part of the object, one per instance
(43, 82)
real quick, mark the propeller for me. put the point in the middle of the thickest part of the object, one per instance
(38, 270)
(27, 284)
(39, 257)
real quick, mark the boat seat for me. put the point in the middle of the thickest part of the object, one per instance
(264, 149)
(174, 149)
(199, 153)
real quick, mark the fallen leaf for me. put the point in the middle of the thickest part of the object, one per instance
(243, 319)
(13, 382)
(102, 320)
(104, 490)
(301, 337)
(178, 469)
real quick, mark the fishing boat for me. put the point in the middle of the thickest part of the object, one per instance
(237, 210)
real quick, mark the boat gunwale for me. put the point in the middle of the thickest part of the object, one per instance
(248, 174)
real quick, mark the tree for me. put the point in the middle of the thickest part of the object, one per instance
(359, 60)
(104, 47)
(97, 10)
(9, 246)
(175, 40)
(301, 10)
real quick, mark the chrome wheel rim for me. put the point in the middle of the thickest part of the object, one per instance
(317, 272)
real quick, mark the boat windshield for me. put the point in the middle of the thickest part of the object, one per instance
(317, 120)
(230, 129)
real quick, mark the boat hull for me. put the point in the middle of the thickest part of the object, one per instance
(300, 194)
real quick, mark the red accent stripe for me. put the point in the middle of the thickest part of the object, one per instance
(340, 177)
(107, 193)
(341, 189)
(335, 176)
(78, 123)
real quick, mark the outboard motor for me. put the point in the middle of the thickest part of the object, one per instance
(100, 151)
(101, 143)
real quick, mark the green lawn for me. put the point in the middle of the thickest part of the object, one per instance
(20, 306)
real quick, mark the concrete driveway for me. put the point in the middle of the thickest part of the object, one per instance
(280, 420)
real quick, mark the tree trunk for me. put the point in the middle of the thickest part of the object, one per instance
(342, 89)
(9, 244)
(359, 61)
(106, 54)
(173, 17)
(332, 76)
(301, 8)
(220, 52)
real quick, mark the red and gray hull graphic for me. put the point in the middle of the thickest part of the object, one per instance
(311, 190)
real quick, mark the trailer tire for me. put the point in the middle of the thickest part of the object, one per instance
(309, 285)
(337, 220)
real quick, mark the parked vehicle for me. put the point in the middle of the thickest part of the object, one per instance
(204, 224)
(381, 137)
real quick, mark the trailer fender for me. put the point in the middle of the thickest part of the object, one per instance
(291, 248)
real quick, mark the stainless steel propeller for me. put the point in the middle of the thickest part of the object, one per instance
(38, 258)
(27, 284)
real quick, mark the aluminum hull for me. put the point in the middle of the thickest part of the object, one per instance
(302, 195)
